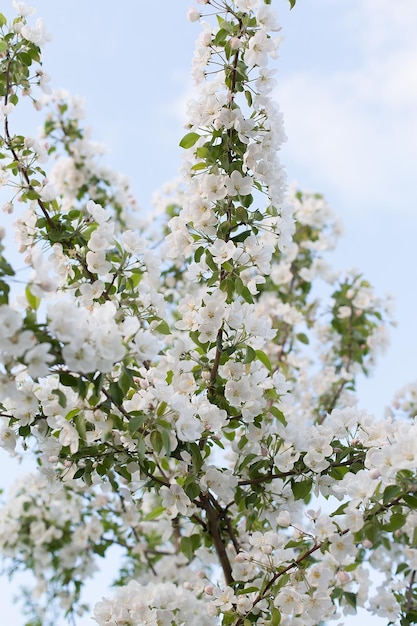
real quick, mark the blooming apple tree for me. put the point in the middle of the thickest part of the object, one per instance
(189, 397)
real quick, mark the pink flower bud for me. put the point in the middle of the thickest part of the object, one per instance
(7, 208)
(235, 43)
(193, 15)
(284, 519)
(343, 577)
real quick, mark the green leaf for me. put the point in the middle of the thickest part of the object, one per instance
(371, 529)
(246, 295)
(198, 254)
(163, 328)
(247, 590)
(242, 215)
(140, 448)
(116, 393)
(31, 194)
(156, 441)
(350, 598)
(228, 285)
(303, 338)
(397, 520)
(135, 423)
(391, 492)
(81, 425)
(247, 200)
(189, 140)
(263, 358)
(125, 381)
(3, 20)
(250, 355)
(155, 513)
(278, 414)
(403, 567)
(161, 409)
(24, 431)
(301, 490)
(197, 458)
(62, 398)
(26, 58)
(199, 166)
(73, 413)
(411, 501)
(32, 300)
(220, 38)
(340, 510)
(292, 3)
(4, 292)
(166, 441)
(248, 97)
(68, 379)
(6, 268)
(189, 545)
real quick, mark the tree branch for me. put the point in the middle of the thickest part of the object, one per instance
(214, 529)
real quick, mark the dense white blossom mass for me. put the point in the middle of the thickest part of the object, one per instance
(187, 394)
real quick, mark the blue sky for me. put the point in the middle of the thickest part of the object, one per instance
(347, 77)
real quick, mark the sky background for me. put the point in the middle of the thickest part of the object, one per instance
(347, 85)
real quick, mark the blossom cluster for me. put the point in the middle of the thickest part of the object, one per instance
(45, 529)
(152, 604)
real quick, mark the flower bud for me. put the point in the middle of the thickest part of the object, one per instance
(235, 43)
(284, 519)
(343, 577)
(193, 15)
(7, 208)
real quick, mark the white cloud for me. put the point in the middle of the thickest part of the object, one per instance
(356, 129)
(175, 110)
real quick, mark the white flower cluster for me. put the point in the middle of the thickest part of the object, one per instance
(42, 529)
(260, 134)
(154, 604)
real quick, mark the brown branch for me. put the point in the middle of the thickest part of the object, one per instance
(136, 535)
(333, 401)
(272, 476)
(231, 531)
(286, 332)
(176, 531)
(225, 517)
(336, 394)
(89, 274)
(410, 591)
(197, 520)
(274, 578)
(216, 362)
(213, 518)
(24, 173)
(22, 167)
